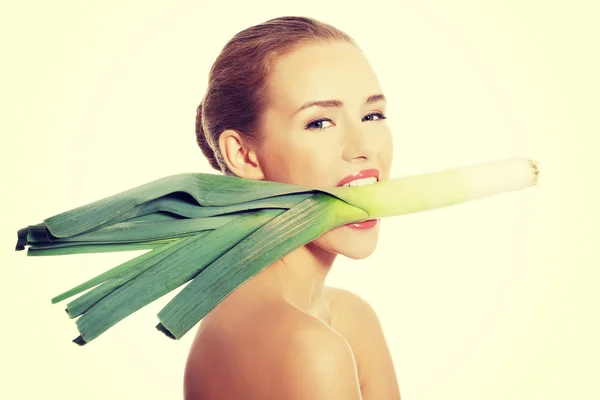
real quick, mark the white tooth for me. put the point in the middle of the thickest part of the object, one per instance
(362, 182)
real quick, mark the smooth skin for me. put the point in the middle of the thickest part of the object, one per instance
(283, 334)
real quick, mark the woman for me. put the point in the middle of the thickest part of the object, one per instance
(294, 100)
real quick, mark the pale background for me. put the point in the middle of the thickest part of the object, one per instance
(495, 299)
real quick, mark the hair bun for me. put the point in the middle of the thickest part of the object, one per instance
(208, 151)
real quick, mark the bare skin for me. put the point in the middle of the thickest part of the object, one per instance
(284, 334)
(233, 341)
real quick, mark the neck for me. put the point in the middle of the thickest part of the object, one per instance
(300, 276)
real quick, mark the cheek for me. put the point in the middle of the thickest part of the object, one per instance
(386, 153)
(301, 164)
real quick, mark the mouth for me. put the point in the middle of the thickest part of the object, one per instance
(361, 178)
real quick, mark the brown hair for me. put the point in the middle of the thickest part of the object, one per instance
(237, 92)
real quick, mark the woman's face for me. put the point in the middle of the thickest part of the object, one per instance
(318, 145)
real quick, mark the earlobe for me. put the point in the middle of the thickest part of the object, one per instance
(241, 159)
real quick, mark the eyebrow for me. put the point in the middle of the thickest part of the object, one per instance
(337, 103)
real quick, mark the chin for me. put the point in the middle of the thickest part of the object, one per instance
(348, 242)
(358, 253)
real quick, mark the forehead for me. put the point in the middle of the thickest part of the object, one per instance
(322, 71)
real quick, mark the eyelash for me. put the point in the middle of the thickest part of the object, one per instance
(308, 126)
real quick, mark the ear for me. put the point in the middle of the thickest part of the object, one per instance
(241, 159)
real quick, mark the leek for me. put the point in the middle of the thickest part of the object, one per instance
(217, 231)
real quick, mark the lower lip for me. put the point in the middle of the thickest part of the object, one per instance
(369, 224)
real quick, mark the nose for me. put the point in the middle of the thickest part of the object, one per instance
(356, 145)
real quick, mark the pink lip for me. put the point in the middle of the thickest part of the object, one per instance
(364, 225)
(365, 173)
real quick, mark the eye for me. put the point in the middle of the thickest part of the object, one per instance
(317, 124)
(369, 117)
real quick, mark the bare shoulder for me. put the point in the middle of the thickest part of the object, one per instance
(280, 353)
(350, 312)
(344, 301)
(354, 318)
